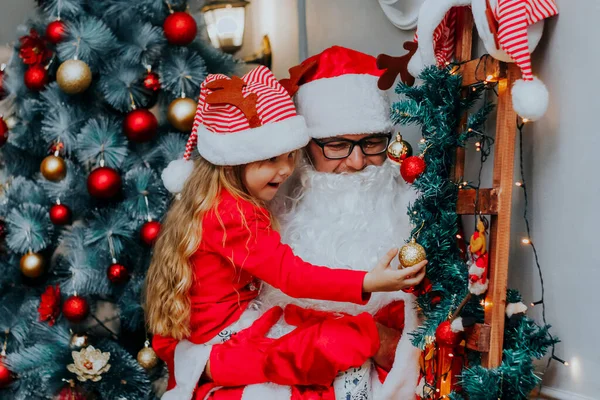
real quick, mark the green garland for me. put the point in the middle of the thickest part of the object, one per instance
(437, 105)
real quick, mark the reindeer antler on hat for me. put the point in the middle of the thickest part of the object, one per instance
(239, 121)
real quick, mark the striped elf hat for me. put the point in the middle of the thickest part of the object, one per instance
(510, 31)
(239, 121)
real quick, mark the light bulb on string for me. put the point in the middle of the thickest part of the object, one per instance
(519, 184)
(526, 241)
(565, 363)
(535, 303)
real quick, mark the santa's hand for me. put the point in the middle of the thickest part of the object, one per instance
(385, 279)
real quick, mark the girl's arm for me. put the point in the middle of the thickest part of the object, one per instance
(255, 247)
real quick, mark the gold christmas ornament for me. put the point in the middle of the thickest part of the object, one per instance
(32, 265)
(398, 150)
(146, 357)
(89, 364)
(53, 168)
(79, 340)
(181, 113)
(73, 76)
(411, 253)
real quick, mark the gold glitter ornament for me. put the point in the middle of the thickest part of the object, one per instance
(53, 168)
(32, 265)
(181, 113)
(411, 253)
(398, 150)
(146, 357)
(74, 76)
(89, 364)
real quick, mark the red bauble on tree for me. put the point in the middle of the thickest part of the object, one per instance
(180, 28)
(152, 81)
(117, 273)
(70, 393)
(75, 308)
(3, 132)
(445, 336)
(5, 374)
(36, 77)
(104, 183)
(60, 214)
(411, 168)
(149, 232)
(33, 50)
(140, 126)
(56, 31)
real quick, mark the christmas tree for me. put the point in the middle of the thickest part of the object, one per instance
(103, 96)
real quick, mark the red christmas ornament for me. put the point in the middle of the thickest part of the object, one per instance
(117, 273)
(75, 308)
(33, 49)
(445, 336)
(180, 28)
(70, 393)
(56, 31)
(104, 183)
(60, 214)
(49, 307)
(5, 374)
(140, 126)
(3, 93)
(152, 81)
(36, 77)
(411, 168)
(3, 132)
(149, 232)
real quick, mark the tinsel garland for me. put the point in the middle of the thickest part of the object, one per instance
(437, 105)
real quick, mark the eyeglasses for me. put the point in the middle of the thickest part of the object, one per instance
(338, 149)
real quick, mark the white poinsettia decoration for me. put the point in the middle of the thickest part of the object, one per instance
(89, 364)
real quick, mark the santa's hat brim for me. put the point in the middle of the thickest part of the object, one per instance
(349, 104)
(255, 144)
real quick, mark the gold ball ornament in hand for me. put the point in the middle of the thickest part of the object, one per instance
(181, 114)
(32, 265)
(74, 76)
(398, 150)
(147, 358)
(53, 168)
(411, 253)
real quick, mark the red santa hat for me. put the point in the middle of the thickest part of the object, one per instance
(510, 30)
(239, 121)
(336, 92)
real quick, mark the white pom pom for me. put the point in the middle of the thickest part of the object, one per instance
(457, 325)
(530, 98)
(175, 175)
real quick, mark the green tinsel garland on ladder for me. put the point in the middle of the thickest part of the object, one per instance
(437, 105)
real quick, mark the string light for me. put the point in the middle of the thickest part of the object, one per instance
(525, 120)
(519, 184)
(489, 78)
(422, 140)
(535, 303)
(526, 241)
(450, 355)
(565, 363)
(458, 236)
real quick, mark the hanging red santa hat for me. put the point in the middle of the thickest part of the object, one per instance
(336, 92)
(510, 31)
(239, 121)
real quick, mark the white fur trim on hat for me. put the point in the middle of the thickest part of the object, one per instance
(344, 105)
(530, 98)
(176, 173)
(431, 14)
(264, 142)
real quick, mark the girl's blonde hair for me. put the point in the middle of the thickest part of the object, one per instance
(169, 279)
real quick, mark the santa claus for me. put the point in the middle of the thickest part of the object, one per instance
(345, 206)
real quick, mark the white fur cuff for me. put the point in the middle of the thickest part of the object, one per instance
(190, 361)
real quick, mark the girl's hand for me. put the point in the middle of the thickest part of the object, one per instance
(385, 279)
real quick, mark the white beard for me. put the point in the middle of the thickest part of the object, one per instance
(342, 221)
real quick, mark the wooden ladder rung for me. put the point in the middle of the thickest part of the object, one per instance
(480, 69)
(488, 202)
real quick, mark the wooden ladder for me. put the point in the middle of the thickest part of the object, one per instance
(494, 201)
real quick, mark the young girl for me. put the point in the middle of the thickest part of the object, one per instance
(218, 242)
